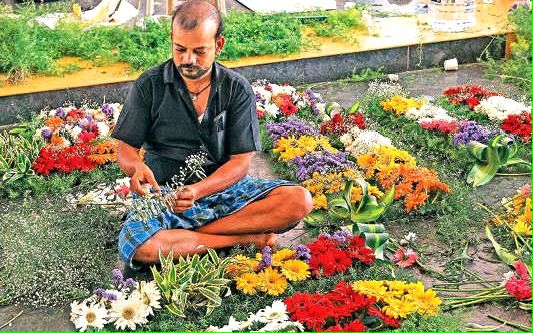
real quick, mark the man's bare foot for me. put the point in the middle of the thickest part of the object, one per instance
(264, 240)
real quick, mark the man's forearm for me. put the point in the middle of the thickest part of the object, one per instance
(228, 174)
(128, 158)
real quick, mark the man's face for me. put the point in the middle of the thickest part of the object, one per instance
(194, 51)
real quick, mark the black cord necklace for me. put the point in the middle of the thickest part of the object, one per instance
(194, 96)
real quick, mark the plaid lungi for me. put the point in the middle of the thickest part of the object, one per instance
(234, 198)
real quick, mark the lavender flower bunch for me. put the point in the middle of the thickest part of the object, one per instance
(266, 258)
(154, 205)
(322, 162)
(290, 127)
(302, 253)
(340, 236)
(472, 131)
(313, 100)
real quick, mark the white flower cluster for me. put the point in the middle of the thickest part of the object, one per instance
(359, 142)
(126, 308)
(499, 107)
(272, 319)
(116, 195)
(384, 90)
(429, 112)
(264, 96)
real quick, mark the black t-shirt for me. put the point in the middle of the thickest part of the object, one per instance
(159, 115)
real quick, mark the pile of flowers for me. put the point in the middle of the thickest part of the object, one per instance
(77, 139)
(325, 162)
(518, 211)
(339, 125)
(270, 272)
(400, 105)
(400, 299)
(359, 142)
(341, 310)
(273, 318)
(471, 131)
(428, 112)
(498, 108)
(392, 166)
(291, 147)
(470, 95)
(441, 126)
(291, 127)
(518, 283)
(519, 125)
(127, 305)
(333, 254)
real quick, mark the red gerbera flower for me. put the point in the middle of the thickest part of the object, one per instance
(405, 257)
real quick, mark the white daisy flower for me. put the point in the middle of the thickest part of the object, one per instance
(499, 107)
(84, 316)
(233, 325)
(128, 313)
(272, 110)
(283, 326)
(75, 131)
(150, 295)
(103, 130)
(276, 312)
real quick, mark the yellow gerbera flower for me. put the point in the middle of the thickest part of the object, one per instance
(284, 254)
(272, 282)
(426, 302)
(248, 283)
(522, 228)
(320, 202)
(295, 270)
(399, 308)
(371, 288)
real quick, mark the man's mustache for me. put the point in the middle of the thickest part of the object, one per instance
(189, 67)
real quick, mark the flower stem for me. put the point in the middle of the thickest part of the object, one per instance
(513, 174)
(462, 283)
(12, 319)
(478, 301)
(515, 325)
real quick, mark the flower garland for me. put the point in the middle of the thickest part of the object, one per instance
(128, 304)
(341, 310)
(269, 271)
(400, 299)
(470, 95)
(332, 254)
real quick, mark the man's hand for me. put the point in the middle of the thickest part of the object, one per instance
(184, 199)
(143, 175)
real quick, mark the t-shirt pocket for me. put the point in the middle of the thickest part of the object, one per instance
(219, 124)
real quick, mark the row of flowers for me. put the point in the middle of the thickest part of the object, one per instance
(307, 145)
(76, 138)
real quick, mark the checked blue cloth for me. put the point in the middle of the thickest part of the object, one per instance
(234, 198)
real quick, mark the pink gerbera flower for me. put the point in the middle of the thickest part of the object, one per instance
(405, 257)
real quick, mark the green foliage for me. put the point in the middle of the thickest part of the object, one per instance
(463, 111)
(338, 23)
(192, 282)
(51, 253)
(517, 69)
(16, 157)
(449, 322)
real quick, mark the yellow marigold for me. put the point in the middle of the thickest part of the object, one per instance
(399, 308)
(320, 202)
(248, 283)
(280, 256)
(400, 104)
(272, 282)
(371, 288)
(295, 270)
(357, 193)
(426, 302)
(522, 228)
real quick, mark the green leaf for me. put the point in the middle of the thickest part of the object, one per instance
(316, 217)
(173, 308)
(354, 108)
(377, 242)
(210, 295)
(214, 257)
(505, 255)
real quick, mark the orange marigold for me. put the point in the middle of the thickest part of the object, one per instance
(53, 123)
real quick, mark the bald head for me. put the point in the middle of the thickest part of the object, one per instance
(190, 14)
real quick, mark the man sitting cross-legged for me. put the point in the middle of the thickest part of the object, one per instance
(191, 103)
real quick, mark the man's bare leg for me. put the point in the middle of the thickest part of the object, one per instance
(184, 242)
(281, 208)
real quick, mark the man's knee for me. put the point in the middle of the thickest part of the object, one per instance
(298, 201)
(148, 252)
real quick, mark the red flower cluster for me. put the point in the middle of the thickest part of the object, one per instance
(468, 94)
(330, 256)
(342, 310)
(518, 124)
(260, 113)
(338, 125)
(285, 104)
(442, 126)
(519, 285)
(65, 160)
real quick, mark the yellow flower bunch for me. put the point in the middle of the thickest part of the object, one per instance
(273, 279)
(400, 298)
(321, 184)
(384, 162)
(400, 104)
(518, 213)
(289, 148)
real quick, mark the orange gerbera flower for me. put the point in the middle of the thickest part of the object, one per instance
(53, 123)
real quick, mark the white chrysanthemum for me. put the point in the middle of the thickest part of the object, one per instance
(283, 326)
(365, 142)
(103, 130)
(321, 107)
(272, 110)
(427, 111)
(276, 312)
(84, 317)
(285, 89)
(75, 131)
(265, 94)
(128, 313)
(499, 107)
(150, 295)
(233, 325)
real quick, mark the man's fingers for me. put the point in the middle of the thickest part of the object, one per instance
(135, 186)
(151, 181)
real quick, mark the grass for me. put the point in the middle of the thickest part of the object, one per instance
(27, 48)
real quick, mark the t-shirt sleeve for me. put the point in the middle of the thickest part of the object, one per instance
(242, 125)
(134, 119)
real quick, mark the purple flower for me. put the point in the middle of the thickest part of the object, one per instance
(47, 133)
(118, 278)
(313, 100)
(83, 122)
(107, 109)
(266, 258)
(472, 131)
(102, 293)
(341, 235)
(60, 112)
(302, 252)
(290, 127)
(322, 162)
(130, 282)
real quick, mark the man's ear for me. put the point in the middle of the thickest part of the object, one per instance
(219, 44)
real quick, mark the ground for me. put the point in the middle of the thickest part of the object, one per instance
(423, 82)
